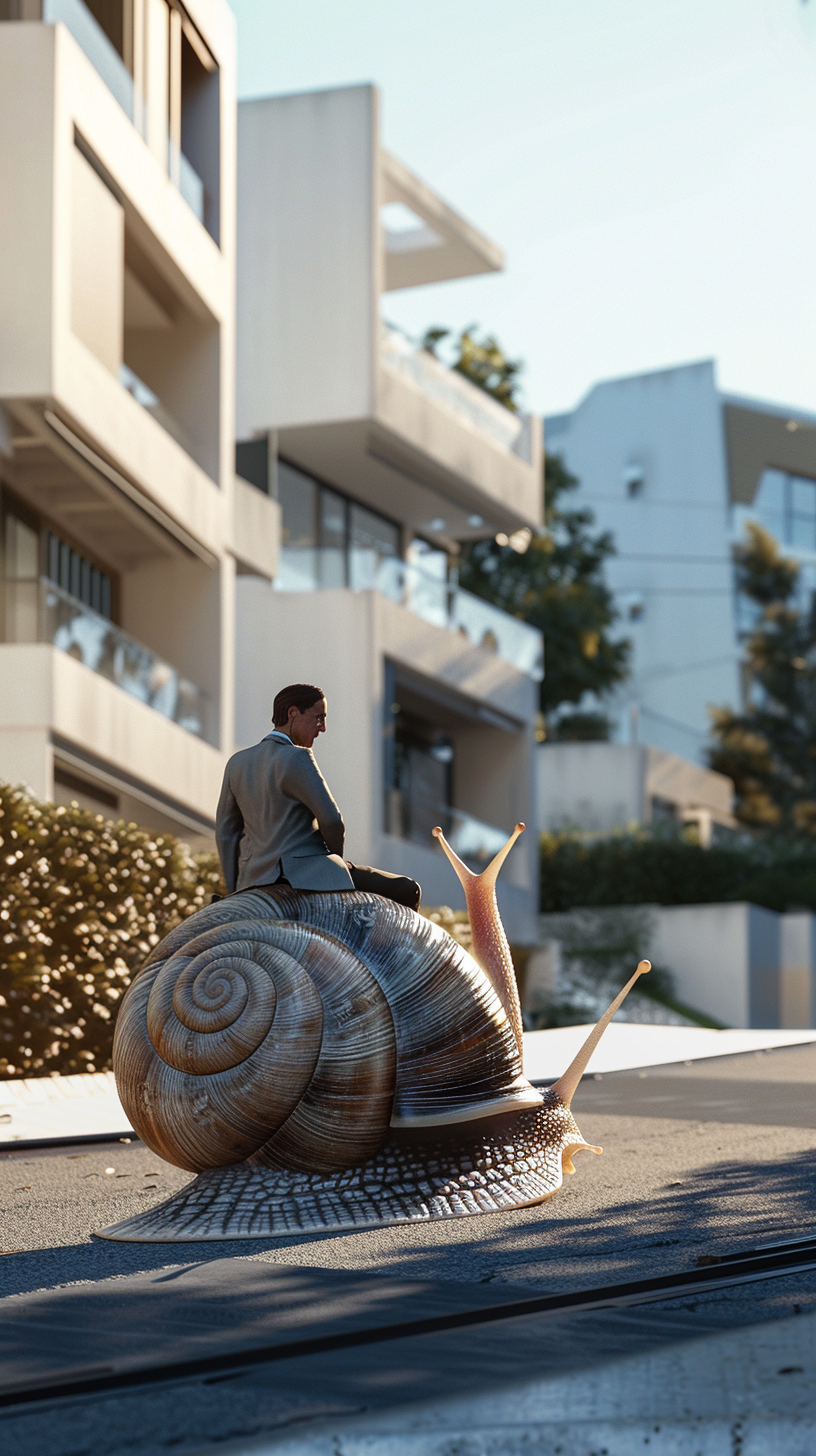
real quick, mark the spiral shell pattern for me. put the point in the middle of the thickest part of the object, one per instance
(291, 1029)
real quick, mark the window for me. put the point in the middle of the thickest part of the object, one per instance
(421, 776)
(371, 541)
(77, 576)
(327, 540)
(786, 506)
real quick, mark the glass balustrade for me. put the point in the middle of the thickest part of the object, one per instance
(43, 612)
(428, 597)
(186, 178)
(413, 817)
(444, 606)
(91, 38)
(106, 61)
(454, 391)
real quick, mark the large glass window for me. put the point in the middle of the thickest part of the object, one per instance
(372, 540)
(786, 506)
(297, 495)
(421, 777)
(327, 540)
(77, 576)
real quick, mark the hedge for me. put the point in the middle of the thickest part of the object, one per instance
(82, 902)
(643, 869)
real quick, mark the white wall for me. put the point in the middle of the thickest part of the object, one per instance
(797, 983)
(724, 960)
(672, 540)
(590, 785)
(27, 212)
(308, 225)
(97, 263)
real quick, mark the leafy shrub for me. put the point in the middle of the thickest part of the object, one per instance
(644, 869)
(83, 900)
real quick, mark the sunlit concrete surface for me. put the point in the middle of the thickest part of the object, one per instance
(83, 1105)
(87, 1104)
(746, 1393)
(627, 1045)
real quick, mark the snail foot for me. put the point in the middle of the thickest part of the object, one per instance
(452, 1173)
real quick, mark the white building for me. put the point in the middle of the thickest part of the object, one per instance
(121, 523)
(381, 461)
(673, 467)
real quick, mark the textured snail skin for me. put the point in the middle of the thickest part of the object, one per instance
(454, 1174)
(335, 1061)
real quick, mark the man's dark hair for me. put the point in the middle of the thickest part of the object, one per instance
(297, 695)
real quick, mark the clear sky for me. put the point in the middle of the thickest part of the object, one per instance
(649, 167)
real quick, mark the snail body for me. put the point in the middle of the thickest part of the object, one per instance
(328, 1060)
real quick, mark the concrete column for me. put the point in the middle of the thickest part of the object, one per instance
(27, 758)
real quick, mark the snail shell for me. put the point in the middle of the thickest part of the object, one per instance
(293, 1029)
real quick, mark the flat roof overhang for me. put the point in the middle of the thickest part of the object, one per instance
(761, 437)
(446, 246)
(61, 476)
(384, 471)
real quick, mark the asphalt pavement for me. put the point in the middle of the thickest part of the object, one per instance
(699, 1160)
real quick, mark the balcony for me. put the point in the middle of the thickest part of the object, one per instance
(508, 430)
(443, 605)
(415, 817)
(39, 611)
(109, 66)
(432, 598)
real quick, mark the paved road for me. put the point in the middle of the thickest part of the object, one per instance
(698, 1159)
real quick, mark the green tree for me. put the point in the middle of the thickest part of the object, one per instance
(769, 749)
(556, 583)
(482, 361)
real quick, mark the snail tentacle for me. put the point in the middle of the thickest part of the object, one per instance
(490, 946)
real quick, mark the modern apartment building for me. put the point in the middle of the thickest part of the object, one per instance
(674, 467)
(381, 461)
(122, 525)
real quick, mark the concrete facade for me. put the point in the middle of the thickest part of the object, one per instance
(725, 960)
(122, 527)
(673, 467)
(432, 693)
(738, 963)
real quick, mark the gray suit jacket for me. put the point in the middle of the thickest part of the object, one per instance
(276, 812)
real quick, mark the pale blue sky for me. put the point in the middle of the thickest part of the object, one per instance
(649, 167)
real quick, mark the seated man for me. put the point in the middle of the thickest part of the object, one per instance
(277, 822)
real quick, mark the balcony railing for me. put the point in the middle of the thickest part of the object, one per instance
(149, 401)
(39, 611)
(445, 606)
(108, 64)
(103, 56)
(509, 430)
(414, 818)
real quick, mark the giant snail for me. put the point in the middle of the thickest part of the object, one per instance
(335, 1061)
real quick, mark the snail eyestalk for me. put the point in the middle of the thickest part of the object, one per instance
(566, 1085)
(490, 947)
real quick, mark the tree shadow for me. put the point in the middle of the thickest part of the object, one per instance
(552, 1246)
